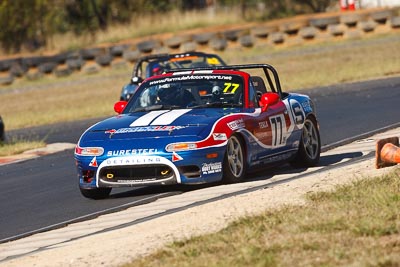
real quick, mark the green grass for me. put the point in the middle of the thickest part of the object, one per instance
(355, 225)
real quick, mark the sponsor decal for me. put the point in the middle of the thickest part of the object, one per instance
(263, 124)
(136, 181)
(147, 129)
(307, 106)
(190, 77)
(236, 124)
(220, 136)
(176, 157)
(138, 160)
(131, 161)
(130, 152)
(209, 168)
(110, 131)
(93, 162)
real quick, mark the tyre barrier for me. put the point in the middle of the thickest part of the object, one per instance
(282, 32)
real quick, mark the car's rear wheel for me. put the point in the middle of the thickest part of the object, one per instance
(310, 146)
(96, 193)
(235, 161)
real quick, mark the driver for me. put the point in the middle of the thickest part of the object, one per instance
(175, 96)
(157, 69)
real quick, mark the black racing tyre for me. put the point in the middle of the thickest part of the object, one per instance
(308, 32)
(218, 44)
(104, 60)
(203, 38)
(131, 56)
(246, 41)
(234, 166)
(232, 35)
(90, 53)
(118, 50)
(148, 46)
(277, 37)
(322, 23)
(96, 193)
(175, 42)
(310, 146)
(7, 80)
(47, 67)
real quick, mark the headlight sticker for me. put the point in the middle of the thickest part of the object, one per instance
(176, 157)
(93, 162)
(220, 137)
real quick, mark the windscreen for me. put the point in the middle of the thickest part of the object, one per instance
(188, 91)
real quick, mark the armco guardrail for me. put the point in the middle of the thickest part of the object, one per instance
(290, 31)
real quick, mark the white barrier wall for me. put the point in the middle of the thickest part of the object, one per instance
(377, 3)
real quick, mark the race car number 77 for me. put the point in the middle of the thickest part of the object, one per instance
(278, 129)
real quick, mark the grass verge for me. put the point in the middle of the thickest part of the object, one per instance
(355, 225)
(18, 146)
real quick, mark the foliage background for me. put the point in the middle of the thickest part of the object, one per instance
(30, 25)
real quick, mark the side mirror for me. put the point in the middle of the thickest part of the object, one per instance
(268, 99)
(136, 80)
(120, 106)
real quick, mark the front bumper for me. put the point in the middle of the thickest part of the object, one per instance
(136, 171)
(145, 170)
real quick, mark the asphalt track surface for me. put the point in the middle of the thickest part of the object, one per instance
(42, 193)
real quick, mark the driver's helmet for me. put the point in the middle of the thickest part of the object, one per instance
(157, 69)
(168, 94)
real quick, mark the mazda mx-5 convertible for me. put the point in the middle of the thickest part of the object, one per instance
(193, 126)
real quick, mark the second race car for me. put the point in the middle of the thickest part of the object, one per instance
(193, 126)
(151, 65)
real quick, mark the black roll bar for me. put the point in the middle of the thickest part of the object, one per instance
(264, 67)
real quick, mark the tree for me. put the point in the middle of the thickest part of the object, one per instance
(25, 23)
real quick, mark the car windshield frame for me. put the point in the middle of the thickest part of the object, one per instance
(189, 91)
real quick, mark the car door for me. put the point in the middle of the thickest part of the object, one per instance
(272, 132)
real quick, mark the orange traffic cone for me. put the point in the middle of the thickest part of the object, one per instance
(387, 152)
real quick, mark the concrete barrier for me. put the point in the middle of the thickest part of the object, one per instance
(288, 31)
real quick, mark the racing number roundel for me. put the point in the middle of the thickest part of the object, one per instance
(297, 112)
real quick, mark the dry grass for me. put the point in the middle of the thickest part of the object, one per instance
(18, 146)
(147, 25)
(356, 225)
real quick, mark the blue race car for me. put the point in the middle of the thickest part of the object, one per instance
(194, 126)
(151, 65)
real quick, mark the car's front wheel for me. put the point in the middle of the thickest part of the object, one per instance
(96, 193)
(310, 146)
(234, 162)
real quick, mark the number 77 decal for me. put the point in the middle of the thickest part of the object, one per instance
(231, 87)
(278, 130)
